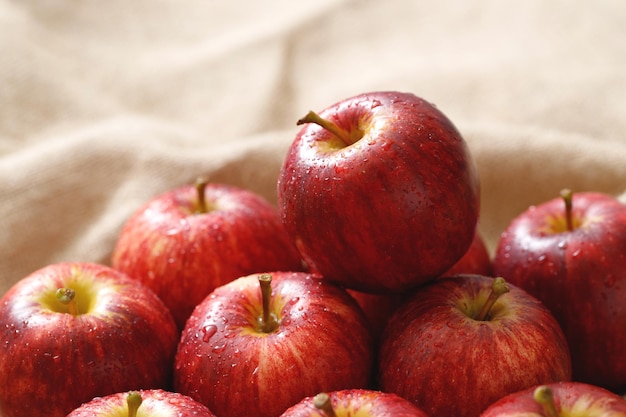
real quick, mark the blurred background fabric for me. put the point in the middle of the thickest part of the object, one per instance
(103, 105)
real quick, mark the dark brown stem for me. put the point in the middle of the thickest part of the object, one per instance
(268, 320)
(498, 288)
(134, 400)
(567, 196)
(201, 193)
(322, 402)
(67, 296)
(312, 117)
(544, 396)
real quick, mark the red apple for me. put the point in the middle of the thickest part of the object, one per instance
(354, 402)
(142, 403)
(462, 342)
(73, 331)
(571, 254)
(476, 260)
(380, 192)
(188, 241)
(559, 399)
(250, 351)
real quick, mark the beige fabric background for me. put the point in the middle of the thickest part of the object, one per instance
(105, 104)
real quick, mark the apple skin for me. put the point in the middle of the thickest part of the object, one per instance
(322, 343)
(155, 402)
(476, 260)
(389, 212)
(52, 361)
(379, 307)
(437, 356)
(580, 275)
(572, 399)
(358, 402)
(183, 255)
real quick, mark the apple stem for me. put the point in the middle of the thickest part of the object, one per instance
(268, 321)
(498, 288)
(312, 117)
(67, 296)
(134, 400)
(201, 183)
(567, 196)
(322, 402)
(545, 396)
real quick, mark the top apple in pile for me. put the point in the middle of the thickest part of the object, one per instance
(380, 192)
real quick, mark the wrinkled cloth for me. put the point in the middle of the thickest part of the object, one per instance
(105, 105)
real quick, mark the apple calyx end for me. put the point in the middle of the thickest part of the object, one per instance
(267, 322)
(498, 288)
(544, 395)
(345, 136)
(66, 296)
(133, 401)
(322, 402)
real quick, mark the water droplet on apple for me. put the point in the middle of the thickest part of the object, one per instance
(541, 258)
(219, 348)
(294, 300)
(575, 253)
(562, 244)
(208, 331)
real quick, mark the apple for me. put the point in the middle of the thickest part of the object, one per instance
(379, 191)
(142, 403)
(354, 402)
(570, 253)
(261, 343)
(72, 331)
(476, 260)
(462, 342)
(559, 399)
(186, 242)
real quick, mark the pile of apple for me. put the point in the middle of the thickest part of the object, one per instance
(368, 291)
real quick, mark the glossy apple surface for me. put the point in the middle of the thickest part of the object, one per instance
(183, 251)
(354, 403)
(378, 307)
(476, 260)
(571, 399)
(439, 353)
(391, 204)
(53, 359)
(151, 403)
(319, 341)
(579, 274)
